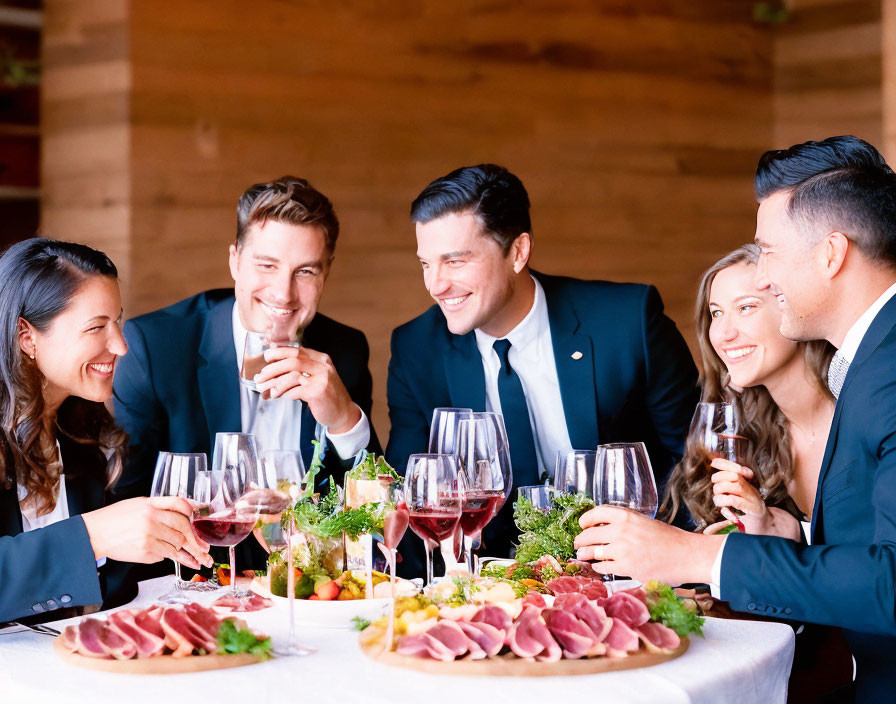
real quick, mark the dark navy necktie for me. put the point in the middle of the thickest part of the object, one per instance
(516, 419)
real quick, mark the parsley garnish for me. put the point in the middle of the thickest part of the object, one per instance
(233, 641)
(668, 609)
(359, 624)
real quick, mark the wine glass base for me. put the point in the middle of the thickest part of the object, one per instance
(199, 586)
(295, 650)
(174, 597)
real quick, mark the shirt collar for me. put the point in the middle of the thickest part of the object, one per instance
(853, 338)
(526, 333)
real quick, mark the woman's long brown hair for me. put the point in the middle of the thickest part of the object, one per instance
(38, 279)
(770, 453)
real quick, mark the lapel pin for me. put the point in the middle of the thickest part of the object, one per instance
(576, 355)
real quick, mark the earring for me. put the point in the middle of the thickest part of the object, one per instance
(30, 356)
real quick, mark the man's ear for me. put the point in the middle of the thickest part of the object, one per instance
(27, 341)
(521, 250)
(834, 249)
(234, 261)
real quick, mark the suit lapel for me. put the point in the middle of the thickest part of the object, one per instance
(880, 327)
(217, 372)
(574, 359)
(464, 372)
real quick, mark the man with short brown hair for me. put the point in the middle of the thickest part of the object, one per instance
(179, 386)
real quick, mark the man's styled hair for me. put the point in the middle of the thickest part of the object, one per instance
(288, 199)
(496, 198)
(842, 183)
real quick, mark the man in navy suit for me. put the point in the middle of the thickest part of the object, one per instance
(179, 384)
(826, 228)
(569, 363)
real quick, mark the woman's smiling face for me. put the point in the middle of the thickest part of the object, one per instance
(745, 327)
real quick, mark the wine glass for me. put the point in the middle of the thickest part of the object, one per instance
(574, 472)
(623, 477)
(282, 471)
(395, 524)
(434, 497)
(256, 344)
(175, 475)
(715, 429)
(443, 431)
(541, 496)
(239, 452)
(485, 473)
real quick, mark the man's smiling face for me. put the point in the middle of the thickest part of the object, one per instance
(467, 273)
(279, 274)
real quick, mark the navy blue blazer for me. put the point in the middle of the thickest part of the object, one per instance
(178, 384)
(53, 568)
(635, 379)
(847, 577)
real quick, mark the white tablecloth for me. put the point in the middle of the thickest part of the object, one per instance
(737, 661)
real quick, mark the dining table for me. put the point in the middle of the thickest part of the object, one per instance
(734, 661)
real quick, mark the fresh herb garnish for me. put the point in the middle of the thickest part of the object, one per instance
(552, 533)
(359, 624)
(669, 610)
(233, 641)
(371, 468)
(728, 529)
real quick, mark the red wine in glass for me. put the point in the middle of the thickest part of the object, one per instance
(479, 508)
(225, 528)
(396, 524)
(433, 524)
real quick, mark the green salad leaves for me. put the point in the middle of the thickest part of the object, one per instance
(669, 610)
(233, 641)
(551, 533)
(371, 468)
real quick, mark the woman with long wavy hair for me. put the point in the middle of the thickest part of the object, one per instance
(785, 408)
(60, 451)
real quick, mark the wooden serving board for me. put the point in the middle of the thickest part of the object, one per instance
(510, 665)
(159, 665)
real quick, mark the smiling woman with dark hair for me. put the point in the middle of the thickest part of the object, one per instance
(60, 451)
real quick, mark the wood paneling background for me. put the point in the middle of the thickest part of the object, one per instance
(635, 126)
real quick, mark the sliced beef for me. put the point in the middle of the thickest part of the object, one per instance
(424, 645)
(449, 633)
(125, 625)
(204, 619)
(621, 640)
(69, 638)
(658, 638)
(534, 599)
(184, 634)
(594, 590)
(529, 637)
(626, 608)
(255, 602)
(588, 612)
(573, 636)
(494, 616)
(564, 585)
(487, 637)
(150, 620)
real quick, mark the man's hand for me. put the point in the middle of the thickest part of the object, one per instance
(627, 543)
(305, 375)
(146, 530)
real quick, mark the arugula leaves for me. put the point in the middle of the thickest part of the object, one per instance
(233, 641)
(669, 610)
(551, 533)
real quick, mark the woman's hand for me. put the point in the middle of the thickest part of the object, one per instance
(146, 530)
(732, 489)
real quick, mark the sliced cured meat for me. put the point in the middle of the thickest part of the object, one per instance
(186, 636)
(494, 616)
(449, 633)
(90, 635)
(125, 625)
(150, 620)
(637, 592)
(627, 608)
(594, 590)
(205, 619)
(530, 637)
(563, 585)
(585, 569)
(424, 645)
(573, 636)
(69, 638)
(534, 599)
(658, 638)
(487, 637)
(588, 612)
(255, 602)
(620, 640)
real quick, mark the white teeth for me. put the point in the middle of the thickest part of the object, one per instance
(454, 301)
(278, 311)
(738, 353)
(105, 368)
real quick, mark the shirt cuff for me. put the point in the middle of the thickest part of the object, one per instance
(100, 562)
(715, 586)
(351, 442)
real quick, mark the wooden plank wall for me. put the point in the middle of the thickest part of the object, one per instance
(635, 126)
(828, 71)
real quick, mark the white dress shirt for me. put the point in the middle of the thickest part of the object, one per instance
(532, 358)
(277, 423)
(848, 349)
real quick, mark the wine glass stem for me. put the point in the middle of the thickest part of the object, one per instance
(290, 586)
(233, 590)
(177, 579)
(429, 550)
(468, 552)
